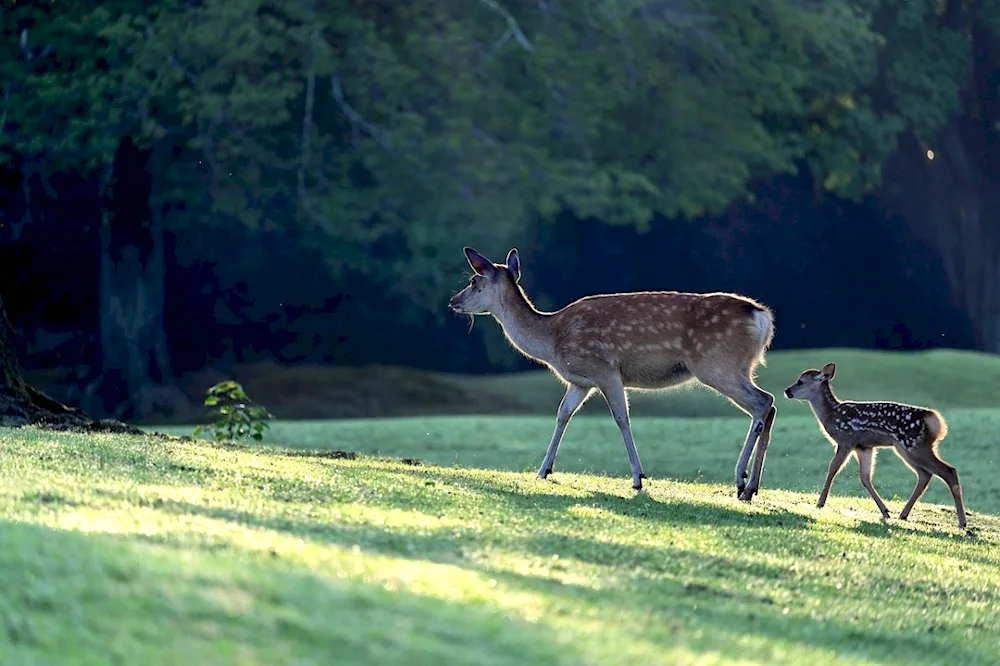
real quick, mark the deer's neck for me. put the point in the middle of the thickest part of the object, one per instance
(529, 330)
(825, 404)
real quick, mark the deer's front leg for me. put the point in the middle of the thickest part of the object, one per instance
(614, 393)
(571, 402)
(836, 464)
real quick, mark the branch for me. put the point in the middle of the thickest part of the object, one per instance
(6, 108)
(307, 125)
(512, 25)
(356, 119)
(30, 53)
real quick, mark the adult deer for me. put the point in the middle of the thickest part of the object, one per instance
(862, 427)
(641, 340)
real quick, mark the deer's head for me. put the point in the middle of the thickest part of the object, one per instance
(488, 285)
(811, 382)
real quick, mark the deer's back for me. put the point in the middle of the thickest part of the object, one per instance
(652, 338)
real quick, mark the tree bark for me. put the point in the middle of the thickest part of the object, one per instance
(22, 404)
(135, 362)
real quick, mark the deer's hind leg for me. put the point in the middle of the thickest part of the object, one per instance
(759, 405)
(923, 480)
(930, 463)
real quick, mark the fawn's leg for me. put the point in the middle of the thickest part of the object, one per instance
(614, 394)
(923, 479)
(572, 401)
(933, 464)
(836, 464)
(866, 464)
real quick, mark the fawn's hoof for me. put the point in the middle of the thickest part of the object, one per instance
(544, 474)
(747, 494)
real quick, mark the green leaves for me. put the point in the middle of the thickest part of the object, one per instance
(236, 418)
(417, 127)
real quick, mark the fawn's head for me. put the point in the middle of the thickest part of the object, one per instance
(488, 286)
(811, 382)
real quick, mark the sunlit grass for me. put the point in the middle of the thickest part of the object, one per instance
(167, 552)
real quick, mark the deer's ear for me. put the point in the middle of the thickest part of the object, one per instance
(514, 264)
(829, 370)
(479, 263)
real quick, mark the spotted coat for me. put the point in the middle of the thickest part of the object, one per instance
(871, 424)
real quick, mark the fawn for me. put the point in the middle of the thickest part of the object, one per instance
(643, 340)
(861, 427)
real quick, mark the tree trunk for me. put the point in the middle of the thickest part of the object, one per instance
(134, 355)
(22, 404)
(952, 196)
(950, 201)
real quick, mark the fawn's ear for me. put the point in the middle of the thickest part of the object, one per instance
(514, 264)
(828, 371)
(479, 263)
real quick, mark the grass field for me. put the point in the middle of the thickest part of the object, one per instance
(941, 377)
(125, 550)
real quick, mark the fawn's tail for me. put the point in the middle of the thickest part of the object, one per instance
(937, 427)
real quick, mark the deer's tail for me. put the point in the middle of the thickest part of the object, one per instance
(763, 325)
(937, 427)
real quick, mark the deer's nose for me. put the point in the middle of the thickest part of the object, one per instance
(788, 393)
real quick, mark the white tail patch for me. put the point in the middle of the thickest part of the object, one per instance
(764, 322)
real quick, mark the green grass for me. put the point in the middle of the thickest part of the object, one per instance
(943, 378)
(118, 550)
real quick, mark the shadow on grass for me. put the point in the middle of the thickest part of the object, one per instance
(695, 589)
(645, 580)
(117, 590)
(673, 510)
(729, 616)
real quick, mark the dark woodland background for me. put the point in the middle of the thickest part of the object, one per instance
(198, 190)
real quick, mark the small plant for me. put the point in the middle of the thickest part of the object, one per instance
(236, 417)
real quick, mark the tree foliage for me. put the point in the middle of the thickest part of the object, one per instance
(389, 133)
